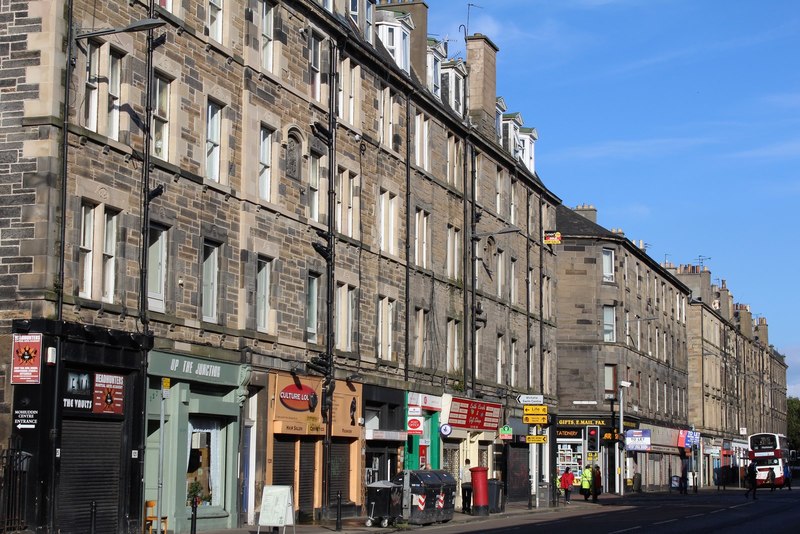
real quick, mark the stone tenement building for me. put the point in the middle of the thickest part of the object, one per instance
(622, 338)
(741, 385)
(316, 188)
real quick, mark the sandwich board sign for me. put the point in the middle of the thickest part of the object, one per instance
(277, 509)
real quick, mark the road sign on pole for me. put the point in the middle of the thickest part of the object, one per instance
(536, 439)
(530, 399)
(534, 419)
(534, 409)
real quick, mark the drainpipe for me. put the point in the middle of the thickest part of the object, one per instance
(408, 232)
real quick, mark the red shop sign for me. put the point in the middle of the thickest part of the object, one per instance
(297, 398)
(475, 415)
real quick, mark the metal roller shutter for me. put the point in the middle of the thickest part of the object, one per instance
(340, 470)
(308, 458)
(91, 453)
(283, 453)
(518, 473)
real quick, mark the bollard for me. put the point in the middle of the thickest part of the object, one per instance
(93, 517)
(338, 511)
(194, 516)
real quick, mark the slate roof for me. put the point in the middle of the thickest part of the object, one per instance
(573, 224)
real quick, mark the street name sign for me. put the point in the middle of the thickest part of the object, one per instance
(530, 399)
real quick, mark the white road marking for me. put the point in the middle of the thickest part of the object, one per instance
(695, 515)
(665, 522)
(625, 530)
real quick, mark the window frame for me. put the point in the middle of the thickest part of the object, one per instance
(157, 252)
(213, 140)
(265, 153)
(608, 265)
(215, 19)
(161, 115)
(267, 35)
(609, 324)
(210, 267)
(115, 59)
(263, 292)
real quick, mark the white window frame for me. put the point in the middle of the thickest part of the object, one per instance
(312, 307)
(315, 65)
(420, 337)
(345, 313)
(157, 268)
(388, 214)
(267, 34)
(501, 357)
(314, 184)
(213, 140)
(513, 364)
(109, 255)
(210, 282)
(369, 20)
(512, 215)
(161, 116)
(114, 93)
(353, 9)
(92, 87)
(454, 247)
(500, 272)
(215, 19)
(421, 238)
(385, 341)
(608, 265)
(421, 141)
(86, 250)
(512, 282)
(264, 267)
(609, 324)
(265, 164)
(453, 350)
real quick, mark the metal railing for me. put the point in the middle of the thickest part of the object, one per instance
(14, 464)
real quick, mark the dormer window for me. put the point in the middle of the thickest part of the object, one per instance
(437, 52)
(369, 8)
(354, 10)
(397, 41)
(452, 82)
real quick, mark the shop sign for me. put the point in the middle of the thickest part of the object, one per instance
(552, 237)
(431, 403)
(26, 359)
(109, 392)
(26, 419)
(78, 392)
(298, 398)
(474, 415)
(506, 432)
(415, 426)
(637, 440)
(446, 430)
(568, 433)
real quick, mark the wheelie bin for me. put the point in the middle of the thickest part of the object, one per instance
(446, 500)
(384, 503)
(421, 489)
(495, 490)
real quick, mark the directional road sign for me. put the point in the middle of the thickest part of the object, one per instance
(534, 419)
(534, 409)
(530, 399)
(536, 439)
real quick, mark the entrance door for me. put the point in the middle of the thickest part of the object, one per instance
(89, 473)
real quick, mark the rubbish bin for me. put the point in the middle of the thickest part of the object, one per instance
(495, 490)
(384, 503)
(446, 500)
(637, 482)
(420, 493)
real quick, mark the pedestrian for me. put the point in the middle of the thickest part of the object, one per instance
(586, 482)
(771, 478)
(751, 480)
(466, 488)
(684, 483)
(567, 479)
(787, 476)
(597, 483)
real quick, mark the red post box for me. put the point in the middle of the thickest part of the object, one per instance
(480, 490)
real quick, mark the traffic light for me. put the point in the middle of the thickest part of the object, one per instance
(593, 438)
(320, 365)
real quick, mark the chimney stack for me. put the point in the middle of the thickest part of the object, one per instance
(588, 211)
(482, 65)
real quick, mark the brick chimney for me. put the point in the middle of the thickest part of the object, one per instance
(482, 65)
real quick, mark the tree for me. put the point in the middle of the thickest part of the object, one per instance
(793, 422)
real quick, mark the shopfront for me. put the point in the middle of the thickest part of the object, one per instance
(423, 450)
(296, 441)
(385, 434)
(201, 402)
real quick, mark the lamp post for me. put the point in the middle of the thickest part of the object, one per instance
(623, 384)
(147, 25)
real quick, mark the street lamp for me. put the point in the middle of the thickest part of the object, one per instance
(147, 25)
(623, 384)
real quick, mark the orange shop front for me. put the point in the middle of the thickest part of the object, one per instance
(296, 441)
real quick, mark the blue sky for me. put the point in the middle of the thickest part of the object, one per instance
(678, 119)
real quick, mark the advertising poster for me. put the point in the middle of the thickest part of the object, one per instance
(26, 360)
(109, 392)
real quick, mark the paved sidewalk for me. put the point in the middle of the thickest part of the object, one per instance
(358, 525)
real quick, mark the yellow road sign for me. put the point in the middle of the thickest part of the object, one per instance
(536, 439)
(534, 419)
(534, 409)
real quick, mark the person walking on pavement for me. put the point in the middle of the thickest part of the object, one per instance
(567, 479)
(751, 481)
(466, 488)
(787, 476)
(597, 483)
(771, 478)
(586, 482)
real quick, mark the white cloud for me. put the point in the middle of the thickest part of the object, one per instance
(783, 100)
(787, 149)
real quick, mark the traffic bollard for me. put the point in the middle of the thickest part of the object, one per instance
(93, 517)
(193, 528)
(338, 511)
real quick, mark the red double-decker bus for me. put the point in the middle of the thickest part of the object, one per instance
(770, 452)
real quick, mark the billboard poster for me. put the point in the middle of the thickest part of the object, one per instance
(109, 392)
(637, 440)
(26, 359)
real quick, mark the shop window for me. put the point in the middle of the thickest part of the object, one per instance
(205, 472)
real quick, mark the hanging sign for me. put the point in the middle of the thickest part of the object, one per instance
(506, 432)
(415, 426)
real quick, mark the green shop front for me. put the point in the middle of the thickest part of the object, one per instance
(196, 405)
